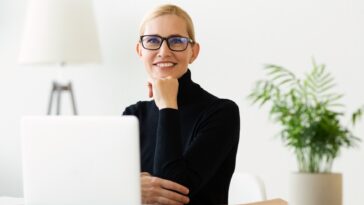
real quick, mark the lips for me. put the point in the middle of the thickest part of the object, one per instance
(164, 64)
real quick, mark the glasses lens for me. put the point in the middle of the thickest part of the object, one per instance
(151, 42)
(177, 43)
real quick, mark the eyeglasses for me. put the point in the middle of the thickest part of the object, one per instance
(175, 43)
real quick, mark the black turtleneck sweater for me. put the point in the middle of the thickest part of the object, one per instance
(195, 145)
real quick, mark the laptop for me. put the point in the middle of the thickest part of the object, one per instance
(71, 160)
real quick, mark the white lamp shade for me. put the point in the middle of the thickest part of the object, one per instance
(59, 31)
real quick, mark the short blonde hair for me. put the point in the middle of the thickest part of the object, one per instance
(168, 9)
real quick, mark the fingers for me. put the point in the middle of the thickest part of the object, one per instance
(166, 201)
(170, 185)
(145, 174)
(161, 191)
(171, 190)
(174, 186)
(163, 197)
(174, 196)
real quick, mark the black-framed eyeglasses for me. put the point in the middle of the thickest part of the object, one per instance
(175, 43)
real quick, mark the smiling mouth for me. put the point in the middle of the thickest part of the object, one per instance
(165, 65)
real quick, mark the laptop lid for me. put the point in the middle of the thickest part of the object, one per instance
(80, 160)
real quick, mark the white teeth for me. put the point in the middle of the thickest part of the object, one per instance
(164, 65)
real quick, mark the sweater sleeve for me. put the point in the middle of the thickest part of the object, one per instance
(216, 134)
(131, 110)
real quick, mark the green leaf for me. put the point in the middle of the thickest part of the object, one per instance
(305, 109)
(357, 115)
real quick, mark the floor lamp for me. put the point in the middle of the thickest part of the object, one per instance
(56, 91)
(59, 32)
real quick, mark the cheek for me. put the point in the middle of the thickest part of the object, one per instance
(189, 55)
(185, 58)
(147, 57)
(188, 58)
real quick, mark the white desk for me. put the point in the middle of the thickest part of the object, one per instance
(19, 201)
(4, 200)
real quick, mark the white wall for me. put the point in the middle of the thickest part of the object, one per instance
(237, 38)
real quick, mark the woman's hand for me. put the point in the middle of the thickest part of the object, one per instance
(160, 191)
(164, 92)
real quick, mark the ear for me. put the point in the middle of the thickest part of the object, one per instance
(138, 49)
(195, 52)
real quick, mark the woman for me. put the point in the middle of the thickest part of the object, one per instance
(188, 137)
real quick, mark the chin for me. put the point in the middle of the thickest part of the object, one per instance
(174, 72)
(164, 74)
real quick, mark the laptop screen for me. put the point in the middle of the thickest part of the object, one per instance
(80, 160)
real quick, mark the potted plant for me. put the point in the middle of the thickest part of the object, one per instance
(309, 112)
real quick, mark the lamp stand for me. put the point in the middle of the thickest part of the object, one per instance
(57, 89)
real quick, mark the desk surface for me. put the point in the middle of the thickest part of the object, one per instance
(4, 200)
(270, 202)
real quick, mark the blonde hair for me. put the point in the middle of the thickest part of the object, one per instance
(169, 9)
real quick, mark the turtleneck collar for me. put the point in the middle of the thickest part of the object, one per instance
(187, 89)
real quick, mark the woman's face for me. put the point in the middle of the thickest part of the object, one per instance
(164, 62)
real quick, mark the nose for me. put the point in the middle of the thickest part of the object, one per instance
(164, 50)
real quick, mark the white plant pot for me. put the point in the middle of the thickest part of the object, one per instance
(315, 189)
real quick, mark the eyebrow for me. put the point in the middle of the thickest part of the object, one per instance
(172, 35)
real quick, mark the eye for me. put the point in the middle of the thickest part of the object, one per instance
(152, 40)
(177, 40)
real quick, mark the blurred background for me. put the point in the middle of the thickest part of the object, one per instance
(237, 39)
